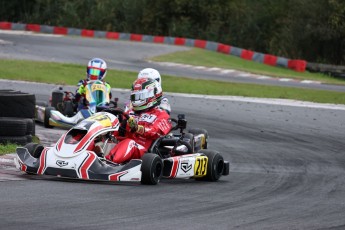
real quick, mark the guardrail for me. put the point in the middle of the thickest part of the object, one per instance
(297, 65)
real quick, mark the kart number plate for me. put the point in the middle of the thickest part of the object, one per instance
(97, 87)
(200, 168)
(102, 119)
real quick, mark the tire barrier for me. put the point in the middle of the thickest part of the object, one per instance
(297, 65)
(17, 104)
(16, 139)
(17, 113)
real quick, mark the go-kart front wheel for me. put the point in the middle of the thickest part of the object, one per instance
(47, 116)
(215, 165)
(151, 169)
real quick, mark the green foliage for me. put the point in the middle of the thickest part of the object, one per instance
(299, 29)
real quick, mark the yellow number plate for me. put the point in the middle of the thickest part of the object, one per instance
(98, 87)
(103, 119)
(200, 168)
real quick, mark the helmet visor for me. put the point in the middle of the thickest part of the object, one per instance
(138, 98)
(95, 73)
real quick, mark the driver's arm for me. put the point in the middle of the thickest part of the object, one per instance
(160, 127)
(80, 92)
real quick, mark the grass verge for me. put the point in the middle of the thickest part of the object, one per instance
(70, 74)
(208, 58)
(7, 148)
(11, 148)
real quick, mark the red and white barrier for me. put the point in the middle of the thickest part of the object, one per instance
(297, 65)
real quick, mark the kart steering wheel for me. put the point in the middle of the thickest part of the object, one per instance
(118, 112)
(122, 116)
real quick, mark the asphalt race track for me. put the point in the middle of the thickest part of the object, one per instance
(287, 172)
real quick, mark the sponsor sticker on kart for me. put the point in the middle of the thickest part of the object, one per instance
(185, 167)
(103, 119)
(62, 163)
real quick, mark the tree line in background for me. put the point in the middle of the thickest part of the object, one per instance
(298, 29)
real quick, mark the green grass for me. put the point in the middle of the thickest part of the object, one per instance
(57, 73)
(7, 148)
(70, 74)
(251, 90)
(11, 148)
(207, 58)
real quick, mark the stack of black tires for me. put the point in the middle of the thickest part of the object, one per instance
(17, 117)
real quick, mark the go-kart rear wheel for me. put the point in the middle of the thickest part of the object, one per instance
(34, 149)
(189, 137)
(215, 165)
(68, 109)
(197, 131)
(151, 169)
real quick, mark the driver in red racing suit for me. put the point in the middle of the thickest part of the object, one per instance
(145, 125)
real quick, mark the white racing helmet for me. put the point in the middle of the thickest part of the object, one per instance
(146, 93)
(150, 73)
